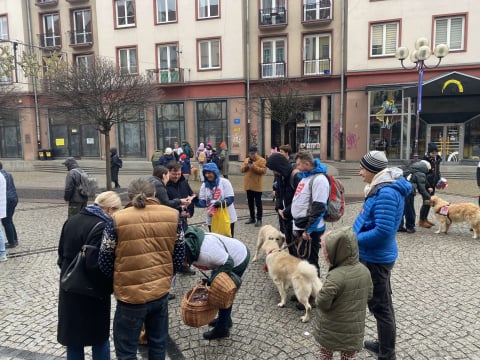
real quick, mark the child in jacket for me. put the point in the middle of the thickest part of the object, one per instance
(342, 301)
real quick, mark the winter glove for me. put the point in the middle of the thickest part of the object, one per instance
(220, 204)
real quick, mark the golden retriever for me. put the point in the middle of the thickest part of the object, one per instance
(268, 232)
(448, 214)
(289, 271)
(195, 173)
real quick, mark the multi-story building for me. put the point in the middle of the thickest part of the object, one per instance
(211, 59)
(382, 97)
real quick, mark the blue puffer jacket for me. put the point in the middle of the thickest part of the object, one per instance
(376, 225)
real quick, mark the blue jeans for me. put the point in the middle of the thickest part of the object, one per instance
(2, 244)
(99, 352)
(7, 221)
(127, 325)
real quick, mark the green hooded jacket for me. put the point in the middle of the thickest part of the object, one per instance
(342, 301)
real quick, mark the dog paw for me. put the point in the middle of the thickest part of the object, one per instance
(305, 318)
(437, 232)
(281, 304)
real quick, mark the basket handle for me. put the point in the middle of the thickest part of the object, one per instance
(195, 289)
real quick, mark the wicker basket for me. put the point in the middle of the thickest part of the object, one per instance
(197, 312)
(221, 292)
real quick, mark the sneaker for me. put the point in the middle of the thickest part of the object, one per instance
(250, 221)
(410, 231)
(401, 229)
(424, 224)
(187, 270)
(258, 223)
(431, 223)
(11, 246)
(214, 323)
(372, 346)
(3, 258)
(171, 296)
(215, 333)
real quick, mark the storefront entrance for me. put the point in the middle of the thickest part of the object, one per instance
(449, 140)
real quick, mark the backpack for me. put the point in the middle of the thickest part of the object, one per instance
(217, 160)
(202, 156)
(187, 149)
(88, 184)
(336, 199)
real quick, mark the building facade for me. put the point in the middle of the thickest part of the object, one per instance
(212, 59)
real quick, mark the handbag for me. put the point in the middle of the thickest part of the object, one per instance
(221, 221)
(75, 278)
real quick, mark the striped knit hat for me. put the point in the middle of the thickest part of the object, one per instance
(374, 161)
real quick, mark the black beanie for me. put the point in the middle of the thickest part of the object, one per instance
(432, 147)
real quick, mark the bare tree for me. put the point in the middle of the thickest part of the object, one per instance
(282, 99)
(101, 93)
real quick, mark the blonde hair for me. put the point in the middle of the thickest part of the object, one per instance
(108, 199)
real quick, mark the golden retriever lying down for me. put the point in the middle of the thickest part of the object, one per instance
(289, 271)
(268, 232)
(448, 214)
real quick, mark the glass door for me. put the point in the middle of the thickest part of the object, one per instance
(449, 140)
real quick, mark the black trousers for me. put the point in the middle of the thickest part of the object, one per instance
(381, 307)
(254, 199)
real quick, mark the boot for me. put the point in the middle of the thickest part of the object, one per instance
(216, 333)
(424, 224)
(431, 223)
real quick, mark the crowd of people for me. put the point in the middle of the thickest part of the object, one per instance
(359, 258)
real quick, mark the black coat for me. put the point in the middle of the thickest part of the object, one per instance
(162, 195)
(179, 190)
(82, 320)
(115, 164)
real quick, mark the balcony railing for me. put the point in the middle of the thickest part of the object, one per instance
(50, 41)
(273, 70)
(77, 1)
(272, 16)
(45, 3)
(316, 67)
(81, 38)
(166, 76)
(319, 11)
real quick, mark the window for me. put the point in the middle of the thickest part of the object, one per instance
(314, 10)
(125, 13)
(207, 9)
(272, 12)
(128, 61)
(51, 30)
(450, 31)
(212, 121)
(209, 52)
(168, 63)
(384, 39)
(131, 134)
(170, 124)
(166, 11)
(273, 58)
(84, 62)
(3, 28)
(317, 54)
(82, 27)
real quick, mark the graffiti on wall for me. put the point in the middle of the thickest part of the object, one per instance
(352, 140)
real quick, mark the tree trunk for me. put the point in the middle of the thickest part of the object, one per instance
(107, 161)
(282, 134)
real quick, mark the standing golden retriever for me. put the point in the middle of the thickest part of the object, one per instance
(447, 214)
(268, 232)
(289, 271)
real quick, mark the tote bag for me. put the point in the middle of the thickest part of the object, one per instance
(221, 222)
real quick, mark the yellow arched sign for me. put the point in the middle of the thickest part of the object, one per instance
(455, 82)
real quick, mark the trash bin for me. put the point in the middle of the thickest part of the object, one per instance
(48, 154)
(41, 154)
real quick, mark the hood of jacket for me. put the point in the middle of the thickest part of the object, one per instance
(342, 247)
(389, 176)
(70, 163)
(420, 166)
(212, 167)
(319, 168)
(201, 147)
(193, 242)
(277, 162)
(113, 151)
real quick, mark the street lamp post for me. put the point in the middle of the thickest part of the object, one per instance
(421, 53)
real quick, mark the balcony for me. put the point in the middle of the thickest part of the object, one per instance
(316, 67)
(81, 38)
(49, 41)
(273, 70)
(46, 3)
(77, 1)
(272, 17)
(166, 76)
(321, 11)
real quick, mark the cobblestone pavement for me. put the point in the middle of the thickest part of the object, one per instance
(435, 284)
